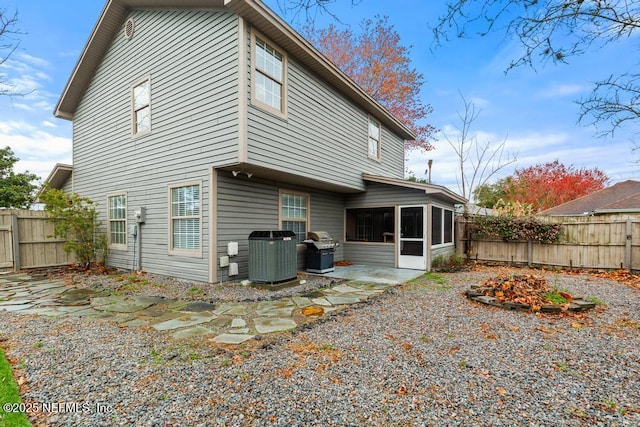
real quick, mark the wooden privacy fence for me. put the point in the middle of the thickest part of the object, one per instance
(26, 241)
(599, 242)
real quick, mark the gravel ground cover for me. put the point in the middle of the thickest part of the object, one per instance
(421, 354)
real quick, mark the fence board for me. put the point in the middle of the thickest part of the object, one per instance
(586, 242)
(33, 239)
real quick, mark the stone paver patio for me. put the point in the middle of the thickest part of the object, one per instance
(230, 323)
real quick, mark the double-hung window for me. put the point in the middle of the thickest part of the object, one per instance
(185, 217)
(141, 107)
(441, 226)
(117, 221)
(269, 76)
(374, 138)
(294, 213)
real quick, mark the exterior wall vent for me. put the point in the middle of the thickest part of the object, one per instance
(129, 28)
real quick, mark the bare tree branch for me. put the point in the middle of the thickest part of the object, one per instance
(308, 10)
(614, 101)
(478, 162)
(555, 30)
(547, 29)
(8, 45)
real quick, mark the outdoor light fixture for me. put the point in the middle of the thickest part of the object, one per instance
(242, 171)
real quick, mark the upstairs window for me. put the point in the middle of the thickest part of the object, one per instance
(141, 104)
(294, 213)
(117, 221)
(374, 138)
(269, 76)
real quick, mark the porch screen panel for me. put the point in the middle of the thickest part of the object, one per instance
(436, 225)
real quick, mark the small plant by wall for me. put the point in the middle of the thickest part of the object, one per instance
(450, 262)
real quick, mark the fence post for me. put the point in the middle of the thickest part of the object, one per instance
(15, 241)
(627, 249)
(529, 252)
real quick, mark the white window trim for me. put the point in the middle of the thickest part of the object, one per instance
(453, 226)
(195, 253)
(137, 83)
(110, 245)
(377, 157)
(281, 218)
(282, 112)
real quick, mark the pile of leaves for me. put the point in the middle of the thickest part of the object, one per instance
(621, 276)
(525, 289)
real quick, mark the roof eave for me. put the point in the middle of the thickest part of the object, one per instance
(427, 188)
(99, 40)
(59, 175)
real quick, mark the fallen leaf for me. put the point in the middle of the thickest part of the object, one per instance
(545, 330)
(576, 325)
(454, 349)
(313, 310)
(501, 391)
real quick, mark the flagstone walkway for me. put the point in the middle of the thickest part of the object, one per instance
(229, 323)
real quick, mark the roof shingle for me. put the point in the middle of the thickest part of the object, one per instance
(624, 196)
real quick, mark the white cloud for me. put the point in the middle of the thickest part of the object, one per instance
(48, 124)
(23, 73)
(479, 102)
(533, 147)
(37, 149)
(33, 60)
(561, 90)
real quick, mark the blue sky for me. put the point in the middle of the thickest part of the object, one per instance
(534, 110)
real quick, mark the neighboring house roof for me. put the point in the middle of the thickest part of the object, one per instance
(619, 198)
(439, 190)
(254, 11)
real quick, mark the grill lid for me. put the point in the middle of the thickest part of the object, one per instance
(320, 240)
(319, 236)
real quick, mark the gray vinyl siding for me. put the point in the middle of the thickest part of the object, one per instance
(191, 58)
(383, 195)
(442, 251)
(246, 205)
(376, 254)
(324, 136)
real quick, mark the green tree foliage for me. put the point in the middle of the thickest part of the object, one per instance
(17, 190)
(75, 219)
(488, 195)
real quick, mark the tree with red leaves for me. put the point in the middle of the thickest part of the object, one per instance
(550, 184)
(380, 65)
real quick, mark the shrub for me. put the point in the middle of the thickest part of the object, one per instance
(75, 219)
(447, 262)
(510, 228)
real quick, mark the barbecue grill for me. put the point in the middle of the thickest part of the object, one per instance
(320, 250)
